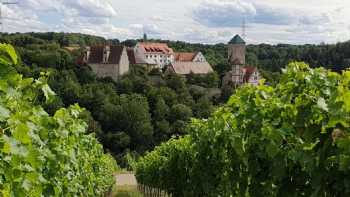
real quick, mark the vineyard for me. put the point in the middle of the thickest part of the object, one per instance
(43, 155)
(291, 139)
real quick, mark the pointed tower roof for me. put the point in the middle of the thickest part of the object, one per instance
(237, 40)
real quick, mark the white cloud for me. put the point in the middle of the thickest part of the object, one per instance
(207, 21)
(223, 13)
(90, 8)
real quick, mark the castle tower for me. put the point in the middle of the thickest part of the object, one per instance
(236, 51)
(236, 58)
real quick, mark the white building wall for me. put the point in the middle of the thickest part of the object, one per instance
(158, 58)
(254, 79)
(199, 58)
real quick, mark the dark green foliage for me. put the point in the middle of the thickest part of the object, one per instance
(203, 108)
(161, 110)
(180, 112)
(210, 80)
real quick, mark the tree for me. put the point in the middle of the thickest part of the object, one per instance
(203, 108)
(135, 119)
(180, 112)
(161, 111)
(176, 82)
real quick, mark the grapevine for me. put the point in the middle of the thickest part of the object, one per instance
(291, 139)
(43, 155)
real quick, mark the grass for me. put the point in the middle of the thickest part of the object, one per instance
(126, 191)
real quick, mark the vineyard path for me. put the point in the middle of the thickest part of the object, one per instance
(127, 179)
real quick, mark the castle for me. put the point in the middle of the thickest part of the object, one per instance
(240, 72)
(114, 61)
(107, 61)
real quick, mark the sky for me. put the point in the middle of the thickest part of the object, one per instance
(196, 21)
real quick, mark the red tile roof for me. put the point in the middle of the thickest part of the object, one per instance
(249, 70)
(152, 47)
(185, 57)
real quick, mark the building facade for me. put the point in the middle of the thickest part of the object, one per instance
(154, 53)
(107, 61)
(189, 63)
(138, 59)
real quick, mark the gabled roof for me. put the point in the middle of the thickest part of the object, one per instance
(185, 68)
(131, 55)
(249, 70)
(237, 40)
(96, 54)
(185, 57)
(154, 47)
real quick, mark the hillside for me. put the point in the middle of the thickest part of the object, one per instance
(141, 111)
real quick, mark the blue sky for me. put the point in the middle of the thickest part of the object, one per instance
(205, 21)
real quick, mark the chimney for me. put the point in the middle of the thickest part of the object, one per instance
(87, 53)
(106, 53)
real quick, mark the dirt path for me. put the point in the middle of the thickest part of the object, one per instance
(126, 179)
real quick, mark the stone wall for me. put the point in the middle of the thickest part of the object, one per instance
(105, 70)
(115, 71)
(236, 51)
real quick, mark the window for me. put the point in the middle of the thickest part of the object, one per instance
(147, 56)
